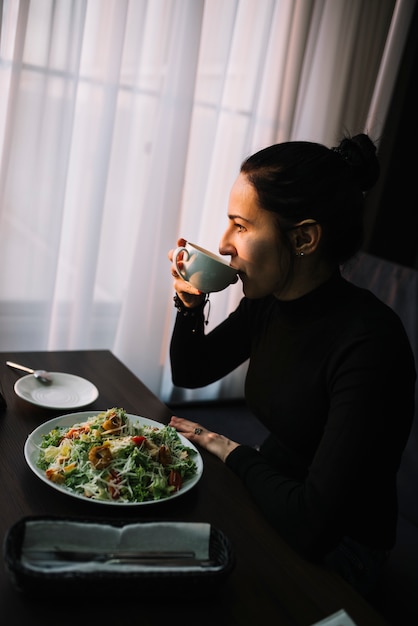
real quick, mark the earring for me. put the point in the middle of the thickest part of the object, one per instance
(300, 253)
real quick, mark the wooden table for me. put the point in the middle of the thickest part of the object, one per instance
(270, 584)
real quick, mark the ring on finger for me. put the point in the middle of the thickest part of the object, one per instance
(197, 431)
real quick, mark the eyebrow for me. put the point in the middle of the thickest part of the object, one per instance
(239, 217)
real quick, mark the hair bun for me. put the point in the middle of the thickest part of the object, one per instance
(359, 152)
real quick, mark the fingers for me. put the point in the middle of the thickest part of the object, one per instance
(191, 430)
(219, 445)
(180, 243)
(189, 295)
(185, 289)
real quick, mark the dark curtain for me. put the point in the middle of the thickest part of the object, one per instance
(391, 228)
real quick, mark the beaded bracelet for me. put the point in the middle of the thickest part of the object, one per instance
(179, 305)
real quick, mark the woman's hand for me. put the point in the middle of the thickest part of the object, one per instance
(190, 296)
(217, 444)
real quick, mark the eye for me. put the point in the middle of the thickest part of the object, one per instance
(239, 227)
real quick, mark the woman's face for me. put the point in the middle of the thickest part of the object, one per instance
(253, 241)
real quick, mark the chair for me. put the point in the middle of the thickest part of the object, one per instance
(397, 286)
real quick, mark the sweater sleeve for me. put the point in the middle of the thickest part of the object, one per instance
(281, 499)
(198, 359)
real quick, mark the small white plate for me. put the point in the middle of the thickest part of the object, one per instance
(65, 392)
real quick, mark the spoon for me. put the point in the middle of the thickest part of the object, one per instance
(41, 375)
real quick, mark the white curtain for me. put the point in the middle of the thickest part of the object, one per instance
(122, 127)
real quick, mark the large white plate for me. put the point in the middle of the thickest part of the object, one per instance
(65, 392)
(31, 451)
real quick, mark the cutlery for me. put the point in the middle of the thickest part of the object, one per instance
(41, 375)
(122, 557)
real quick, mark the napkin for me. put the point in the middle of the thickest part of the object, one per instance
(340, 618)
(62, 535)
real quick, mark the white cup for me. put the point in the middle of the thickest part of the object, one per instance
(203, 269)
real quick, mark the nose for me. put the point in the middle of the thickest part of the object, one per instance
(225, 246)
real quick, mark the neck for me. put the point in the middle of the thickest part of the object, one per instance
(308, 275)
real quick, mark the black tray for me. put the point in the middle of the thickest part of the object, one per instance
(159, 583)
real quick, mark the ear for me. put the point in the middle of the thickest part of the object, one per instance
(306, 237)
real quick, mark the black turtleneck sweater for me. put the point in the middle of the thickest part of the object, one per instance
(332, 376)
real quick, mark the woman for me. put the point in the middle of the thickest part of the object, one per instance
(331, 373)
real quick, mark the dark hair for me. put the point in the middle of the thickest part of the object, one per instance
(300, 180)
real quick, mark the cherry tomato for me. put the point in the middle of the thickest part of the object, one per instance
(138, 440)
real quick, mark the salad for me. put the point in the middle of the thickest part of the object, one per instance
(107, 457)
